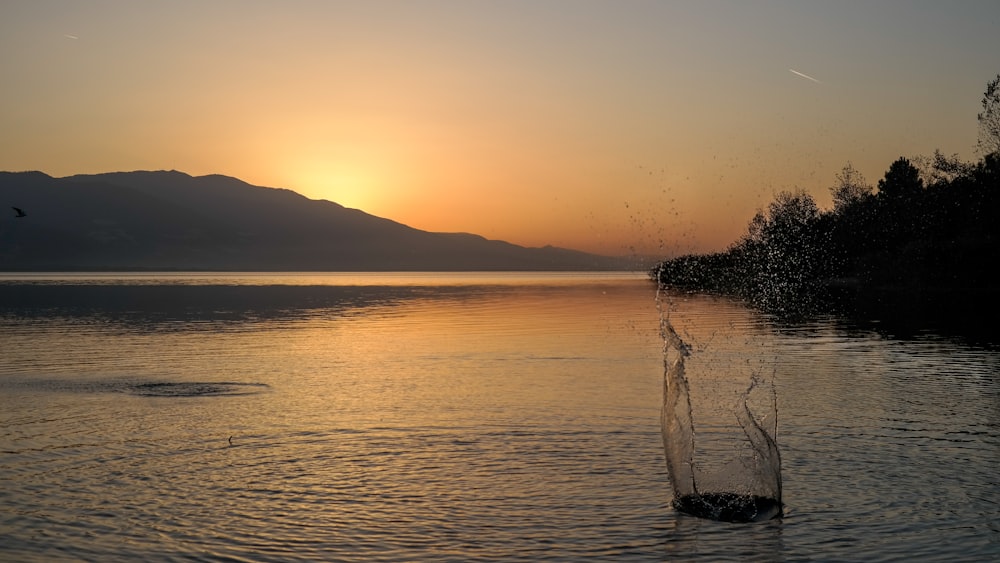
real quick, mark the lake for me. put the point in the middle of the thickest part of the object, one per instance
(466, 417)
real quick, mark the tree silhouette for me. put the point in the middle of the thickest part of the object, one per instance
(901, 181)
(930, 230)
(850, 189)
(941, 169)
(989, 119)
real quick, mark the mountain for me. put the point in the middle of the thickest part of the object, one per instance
(172, 221)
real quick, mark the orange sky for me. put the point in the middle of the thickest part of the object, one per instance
(611, 127)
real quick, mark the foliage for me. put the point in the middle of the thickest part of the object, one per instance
(989, 119)
(941, 168)
(850, 189)
(944, 235)
(902, 180)
(934, 224)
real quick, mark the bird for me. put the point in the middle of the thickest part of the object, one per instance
(20, 212)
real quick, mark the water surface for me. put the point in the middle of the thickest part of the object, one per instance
(462, 417)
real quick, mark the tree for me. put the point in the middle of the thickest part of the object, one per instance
(941, 169)
(989, 119)
(902, 180)
(782, 258)
(851, 188)
(790, 215)
(755, 230)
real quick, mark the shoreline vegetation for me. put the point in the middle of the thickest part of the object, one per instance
(927, 234)
(914, 241)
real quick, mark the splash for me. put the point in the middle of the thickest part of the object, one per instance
(747, 488)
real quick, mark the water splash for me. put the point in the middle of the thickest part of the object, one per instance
(748, 487)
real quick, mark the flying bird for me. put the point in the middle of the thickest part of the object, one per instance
(806, 76)
(20, 212)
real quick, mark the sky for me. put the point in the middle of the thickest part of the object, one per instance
(615, 127)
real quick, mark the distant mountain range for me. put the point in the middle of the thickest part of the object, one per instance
(174, 221)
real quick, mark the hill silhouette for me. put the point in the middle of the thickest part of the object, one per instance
(168, 220)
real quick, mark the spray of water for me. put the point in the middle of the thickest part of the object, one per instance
(748, 487)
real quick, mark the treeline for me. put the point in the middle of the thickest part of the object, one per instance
(931, 224)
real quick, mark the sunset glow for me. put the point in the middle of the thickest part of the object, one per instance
(637, 127)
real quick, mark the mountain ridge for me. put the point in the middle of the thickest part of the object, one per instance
(170, 220)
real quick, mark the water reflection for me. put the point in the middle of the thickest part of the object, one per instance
(967, 316)
(152, 304)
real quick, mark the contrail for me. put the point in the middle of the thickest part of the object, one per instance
(806, 76)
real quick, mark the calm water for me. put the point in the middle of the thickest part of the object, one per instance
(464, 417)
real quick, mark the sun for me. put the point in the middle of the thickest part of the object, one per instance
(348, 186)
